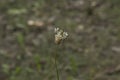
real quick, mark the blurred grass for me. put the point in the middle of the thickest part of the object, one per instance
(26, 50)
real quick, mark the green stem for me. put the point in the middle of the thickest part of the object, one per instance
(56, 67)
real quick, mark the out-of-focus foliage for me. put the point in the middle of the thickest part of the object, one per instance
(91, 51)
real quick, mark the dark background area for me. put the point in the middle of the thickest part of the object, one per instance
(91, 52)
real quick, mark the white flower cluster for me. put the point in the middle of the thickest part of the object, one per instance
(60, 35)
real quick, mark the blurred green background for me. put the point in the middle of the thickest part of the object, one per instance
(91, 52)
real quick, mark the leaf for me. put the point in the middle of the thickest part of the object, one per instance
(16, 11)
(20, 39)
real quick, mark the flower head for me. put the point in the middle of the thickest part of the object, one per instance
(60, 35)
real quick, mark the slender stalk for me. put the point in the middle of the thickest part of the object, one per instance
(60, 35)
(56, 67)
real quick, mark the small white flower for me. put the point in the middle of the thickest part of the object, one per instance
(65, 35)
(56, 30)
(60, 35)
